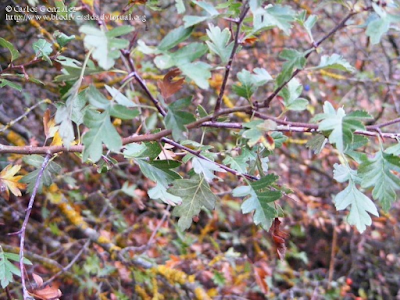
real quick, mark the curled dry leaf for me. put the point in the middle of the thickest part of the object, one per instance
(249, 41)
(44, 293)
(50, 129)
(166, 153)
(46, 125)
(279, 237)
(9, 182)
(47, 293)
(168, 86)
(38, 280)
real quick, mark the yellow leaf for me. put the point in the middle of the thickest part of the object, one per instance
(49, 125)
(9, 182)
(57, 140)
(88, 2)
(53, 194)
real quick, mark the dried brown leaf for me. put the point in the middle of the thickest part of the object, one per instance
(47, 293)
(38, 280)
(46, 121)
(168, 86)
(279, 237)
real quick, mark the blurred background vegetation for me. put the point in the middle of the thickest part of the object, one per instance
(224, 253)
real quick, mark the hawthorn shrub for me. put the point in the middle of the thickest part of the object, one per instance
(199, 150)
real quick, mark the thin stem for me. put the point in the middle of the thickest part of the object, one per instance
(333, 256)
(228, 67)
(268, 100)
(196, 153)
(69, 266)
(133, 74)
(25, 223)
(141, 82)
(13, 122)
(374, 127)
(22, 67)
(164, 217)
(290, 126)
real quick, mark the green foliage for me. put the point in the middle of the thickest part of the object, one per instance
(175, 37)
(238, 163)
(117, 107)
(274, 16)
(336, 62)
(233, 7)
(219, 42)
(259, 197)
(249, 83)
(72, 69)
(62, 38)
(380, 23)
(161, 172)
(180, 6)
(8, 269)
(317, 143)
(4, 82)
(377, 173)
(70, 111)
(183, 58)
(308, 23)
(195, 193)
(43, 49)
(101, 131)
(105, 45)
(291, 94)
(48, 174)
(360, 204)
(176, 118)
(294, 60)
(340, 125)
(107, 101)
(206, 168)
(257, 130)
(143, 150)
(209, 9)
(14, 52)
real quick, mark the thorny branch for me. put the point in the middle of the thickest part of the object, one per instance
(196, 153)
(287, 126)
(270, 98)
(141, 82)
(25, 223)
(132, 70)
(231, 58)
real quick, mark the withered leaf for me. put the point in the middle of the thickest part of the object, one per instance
(279, 237)
(46, 120)
(249, 41)
(9, 182)
(46, 293)
(168, 86)
(38, 280)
